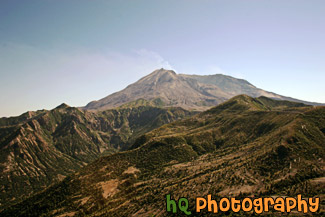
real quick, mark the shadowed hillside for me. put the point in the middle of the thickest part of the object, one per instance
(40, 148)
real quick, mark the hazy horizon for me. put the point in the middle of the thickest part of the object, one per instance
(73, 52)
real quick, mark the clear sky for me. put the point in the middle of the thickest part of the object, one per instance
(76, 51)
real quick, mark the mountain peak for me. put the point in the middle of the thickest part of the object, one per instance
(162, 72)
(158, 77)
(62, 106)
(194, 92)
(243, 98)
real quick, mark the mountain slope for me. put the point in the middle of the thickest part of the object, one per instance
(243, 147)
(187, 91)
(40, 148)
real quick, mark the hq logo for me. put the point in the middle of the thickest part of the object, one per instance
(182, 205)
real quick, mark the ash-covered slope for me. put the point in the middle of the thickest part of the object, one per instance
(235, 86)
(187, 91)
(245, 147)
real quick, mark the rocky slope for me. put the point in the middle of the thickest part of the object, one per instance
(187, 91)
(243, 147)
(40, 148)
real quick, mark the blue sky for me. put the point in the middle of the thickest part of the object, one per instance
(76, 51)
